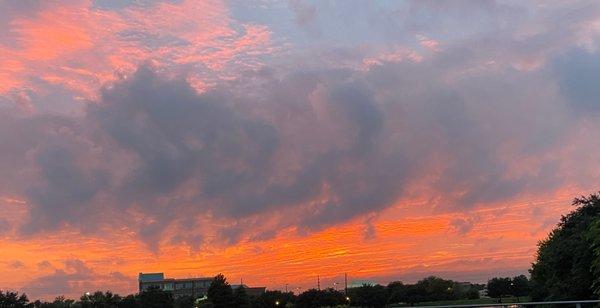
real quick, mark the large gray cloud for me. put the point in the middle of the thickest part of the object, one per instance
(306, 149)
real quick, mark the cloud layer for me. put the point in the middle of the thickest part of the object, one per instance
(305, 150)
(219, 125)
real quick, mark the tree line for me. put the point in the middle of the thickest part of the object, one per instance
(518, 286)
(220, 294)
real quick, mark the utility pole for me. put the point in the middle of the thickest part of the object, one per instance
(346, 284)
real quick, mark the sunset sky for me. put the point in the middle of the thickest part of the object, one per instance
(276, 141)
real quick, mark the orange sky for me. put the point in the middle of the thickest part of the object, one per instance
(404, 245)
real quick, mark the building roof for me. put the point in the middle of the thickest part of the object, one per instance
(146, 277)
(159, 277)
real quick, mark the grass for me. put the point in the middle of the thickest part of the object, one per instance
(468, 302)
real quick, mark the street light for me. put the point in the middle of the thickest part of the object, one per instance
(276, 303)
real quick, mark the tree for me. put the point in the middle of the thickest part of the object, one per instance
(520, 286)
(369, 296)
(472, 293)
(319, 298)
(563, 269)
(130, 301)
(396, 292)
(437, 289)
(270, 298)
(429, 289)
(220, 292)
(415, 294)
(331, 297)
(13, 299)
(498, 287)
(63, 302)
(240, 297)
(185, 301)
(100, 299)
(593, 235)
(154, 297)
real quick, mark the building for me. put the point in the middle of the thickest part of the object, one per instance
(195, 287)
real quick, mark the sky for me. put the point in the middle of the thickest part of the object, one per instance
(280, 141)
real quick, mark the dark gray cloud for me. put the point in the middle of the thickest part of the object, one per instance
(463, 225)
(578, 72)
(73, 277)
(64, 188)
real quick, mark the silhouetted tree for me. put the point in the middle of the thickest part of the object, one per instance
(240, 297)
(438, 288)
(319, 298)
(519, 286)
(498, 287)
(205, 304)
(13, 299)
(270, 298)
(154, 297)
(471, 293)
(593, 236)
(431, 289)
(130, 301)
(415, 293)
(100, 299)
(563, 269)
(396, 292)
(185, 301)
(220, 292)
(63, 302)
(368, 296)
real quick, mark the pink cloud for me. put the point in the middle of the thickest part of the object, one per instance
(427, 43)
(80, 47)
